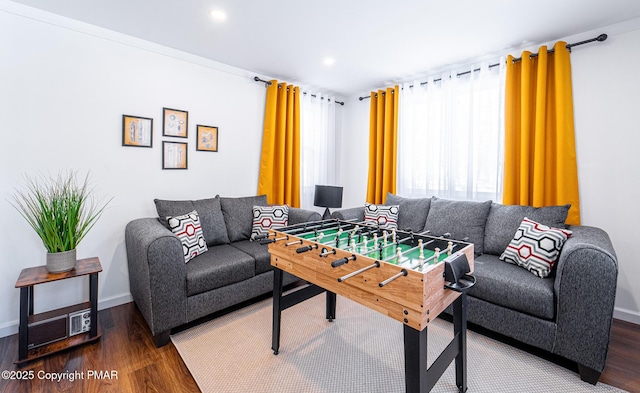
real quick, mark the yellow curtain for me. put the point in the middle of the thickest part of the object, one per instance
(383, 144)
(279, 175)
(540, 167)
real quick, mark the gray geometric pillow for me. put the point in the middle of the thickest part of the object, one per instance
(503, 222)
(383, 216)
(536, 247)
(187, 228)
(269, 217)
(462, 219)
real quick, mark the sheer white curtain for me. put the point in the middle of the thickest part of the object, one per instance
(450, 137)
(317, 145)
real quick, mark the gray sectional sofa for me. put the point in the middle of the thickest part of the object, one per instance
(170, 292)
(568, 313)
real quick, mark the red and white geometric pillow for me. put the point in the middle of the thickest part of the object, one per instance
(269, 217)
(535, 247)
(384, 216)
(188, 229)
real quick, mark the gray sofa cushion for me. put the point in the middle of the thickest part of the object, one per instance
(211, 219)
(503, 222)
(298, 216)
(459, 218)
(238, 215)
(258, 251)
(412, 214)
(513, 287)
(221, 265)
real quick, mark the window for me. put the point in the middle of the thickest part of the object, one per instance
(317, 145)
(450, 137)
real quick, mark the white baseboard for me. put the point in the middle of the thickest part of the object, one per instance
(8, 329)
(11, 327)
(626, 315)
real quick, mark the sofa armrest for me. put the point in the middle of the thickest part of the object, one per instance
(299, 216)
(157, 274)
(354, 213)
(585, 288)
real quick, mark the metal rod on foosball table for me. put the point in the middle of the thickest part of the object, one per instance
(340, 262)
(337, 224)
(325, 224)
(387, 246)
(327, 252)
(277, 239)
(448, 250)
(316, 226)
(364, 241)
(402, 273)
(419, 246)
(350, 233)
(299, 241)
(364, 269)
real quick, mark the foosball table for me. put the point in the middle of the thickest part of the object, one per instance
(409, 277)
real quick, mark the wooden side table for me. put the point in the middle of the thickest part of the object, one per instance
(51, 320)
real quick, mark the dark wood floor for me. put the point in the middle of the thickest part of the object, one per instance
(126, 348)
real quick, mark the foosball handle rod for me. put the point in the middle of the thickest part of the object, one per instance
(326, 252)
(402, 273)
(340, 262)
(267, 241)
(300, 250)
(264, 236)
(364, 269)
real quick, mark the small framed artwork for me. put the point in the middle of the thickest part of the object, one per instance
(207, 138)
(137, 131)
(175, 122)
(174, 155)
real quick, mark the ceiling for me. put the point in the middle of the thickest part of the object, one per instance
(373, 42)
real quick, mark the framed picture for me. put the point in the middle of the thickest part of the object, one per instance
(174, 155)
(175, 122)
(137, 131)
(206, 138)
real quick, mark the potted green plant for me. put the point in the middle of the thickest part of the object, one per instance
(62, 211)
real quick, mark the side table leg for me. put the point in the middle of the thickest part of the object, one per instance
(31, 300)
(23, 329)
(93, 299)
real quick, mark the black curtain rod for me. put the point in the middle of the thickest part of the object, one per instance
(599, 38)
(268, 83)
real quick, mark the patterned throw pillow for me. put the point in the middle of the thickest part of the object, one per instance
(384, 216)
(269, 217)
(535, 247)
(188, 229)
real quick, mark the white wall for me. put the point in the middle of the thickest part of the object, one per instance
(64, 87)
(606, 84)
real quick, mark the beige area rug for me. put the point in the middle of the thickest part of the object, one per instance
(361, 351)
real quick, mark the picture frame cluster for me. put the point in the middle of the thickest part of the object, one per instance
(137, 131)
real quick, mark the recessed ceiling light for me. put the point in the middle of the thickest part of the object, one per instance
(329, 61)
(218, 15)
